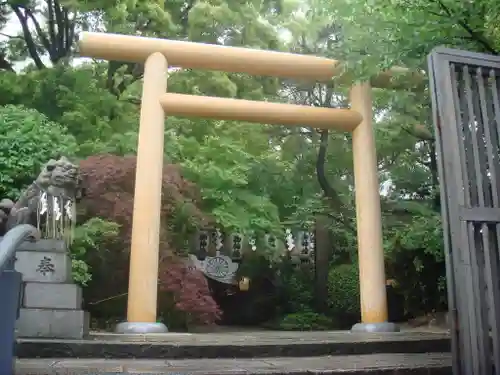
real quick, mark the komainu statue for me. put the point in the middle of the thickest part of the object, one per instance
(48, 203)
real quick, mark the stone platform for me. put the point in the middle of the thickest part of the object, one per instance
(371, 364)
(263, 344)
(51, 302)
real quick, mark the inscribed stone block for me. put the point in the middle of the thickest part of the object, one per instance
(48, 267)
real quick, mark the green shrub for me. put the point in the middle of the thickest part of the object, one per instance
(89, 237)
(300, 291)
(305, 321)
(343, 293)
(415, 260)
(295, 288)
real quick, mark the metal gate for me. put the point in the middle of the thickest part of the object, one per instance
(465, 91)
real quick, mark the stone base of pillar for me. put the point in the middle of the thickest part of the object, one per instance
(375, 327)
(140, 328)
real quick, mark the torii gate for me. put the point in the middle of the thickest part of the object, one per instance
(157, 55)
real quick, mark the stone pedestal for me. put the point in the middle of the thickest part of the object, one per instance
(51, 302)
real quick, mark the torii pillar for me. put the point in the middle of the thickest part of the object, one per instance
(372, 283)
(143, 276)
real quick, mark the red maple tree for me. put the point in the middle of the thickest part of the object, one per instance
(190, 291)
(109, 194)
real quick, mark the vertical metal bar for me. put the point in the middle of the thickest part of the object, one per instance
(495, 89)
(491, 266)
(495, 132)
(468, 146)
(469, 193)
(450, 260)
(478, 232)
(458, 240)
(474, 126)
(495, 181)
(452, 177)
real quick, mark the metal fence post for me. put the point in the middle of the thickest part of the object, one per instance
(10, 293)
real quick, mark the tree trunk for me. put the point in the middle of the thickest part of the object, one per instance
(322, 255)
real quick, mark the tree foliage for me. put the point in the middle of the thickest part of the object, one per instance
(28, 139)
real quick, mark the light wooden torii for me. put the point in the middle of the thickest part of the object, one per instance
(157, 55)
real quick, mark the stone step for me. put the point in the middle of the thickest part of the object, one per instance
(233, 345)
(370, 364)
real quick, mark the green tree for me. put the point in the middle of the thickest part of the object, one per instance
(376, 35)
(27, 141)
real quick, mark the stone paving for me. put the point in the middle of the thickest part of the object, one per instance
(374, 364)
